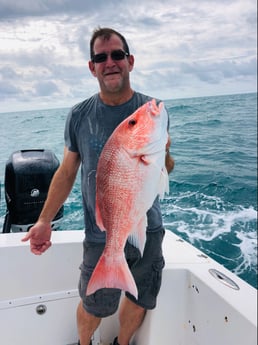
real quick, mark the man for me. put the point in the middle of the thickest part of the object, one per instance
(88, 127)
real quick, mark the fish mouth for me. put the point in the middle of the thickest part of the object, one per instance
(155, 110)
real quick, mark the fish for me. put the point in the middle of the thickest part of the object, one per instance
(131, 173)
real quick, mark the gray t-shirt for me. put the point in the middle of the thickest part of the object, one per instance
(89, 124)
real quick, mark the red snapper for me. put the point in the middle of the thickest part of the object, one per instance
(131, 173)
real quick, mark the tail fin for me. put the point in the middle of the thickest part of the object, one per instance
(112, 273)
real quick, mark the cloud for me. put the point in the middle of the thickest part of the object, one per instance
(11, 9)
(7, 90)
(181, 49)
(215, 72)
(46, 88)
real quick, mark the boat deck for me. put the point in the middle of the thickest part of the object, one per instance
(200, 302)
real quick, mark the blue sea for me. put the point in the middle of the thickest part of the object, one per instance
(213, 189)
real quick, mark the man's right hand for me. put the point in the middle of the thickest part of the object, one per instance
(39, 236)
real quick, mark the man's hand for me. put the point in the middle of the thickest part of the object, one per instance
(39, 236)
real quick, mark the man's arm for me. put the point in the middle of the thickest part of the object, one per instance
(60, 187)
(169, 161)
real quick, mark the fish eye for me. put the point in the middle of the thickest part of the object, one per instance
(132, 122)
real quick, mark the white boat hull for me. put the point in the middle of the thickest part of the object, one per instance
(39, 297)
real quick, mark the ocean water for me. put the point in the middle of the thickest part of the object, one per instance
(213, 189)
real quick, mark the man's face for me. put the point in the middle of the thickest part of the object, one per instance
(113, 75)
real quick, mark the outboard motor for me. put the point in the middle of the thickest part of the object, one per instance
(28, 174)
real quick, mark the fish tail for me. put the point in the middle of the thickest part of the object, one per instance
(112, 273)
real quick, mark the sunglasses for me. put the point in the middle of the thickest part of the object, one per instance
(116, 55)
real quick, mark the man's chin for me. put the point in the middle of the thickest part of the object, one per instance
(113, 86)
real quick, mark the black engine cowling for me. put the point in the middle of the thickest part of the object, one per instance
(28, 174)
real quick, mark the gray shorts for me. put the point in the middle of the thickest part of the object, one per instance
(146, 270)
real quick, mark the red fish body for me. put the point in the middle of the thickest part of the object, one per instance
(130, 174)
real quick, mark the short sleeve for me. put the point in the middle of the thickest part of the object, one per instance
(69, 133)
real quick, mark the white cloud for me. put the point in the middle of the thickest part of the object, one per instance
(195, 48)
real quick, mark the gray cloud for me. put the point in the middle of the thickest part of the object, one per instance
(8, 90)
(12, 9)
(8, 73)
(46, 88)
(215, 72)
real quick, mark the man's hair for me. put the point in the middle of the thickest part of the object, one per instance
(106, 33)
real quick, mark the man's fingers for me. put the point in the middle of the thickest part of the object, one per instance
(26, 238)
(39, 249)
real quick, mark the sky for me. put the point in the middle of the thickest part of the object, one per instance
(182, 49)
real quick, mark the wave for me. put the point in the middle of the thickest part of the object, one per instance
(181, 108)
(207, 225)
(221, 229)
(248, 247)
(200, 124)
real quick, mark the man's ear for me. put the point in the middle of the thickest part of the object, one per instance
(92, 68)
(131, 62)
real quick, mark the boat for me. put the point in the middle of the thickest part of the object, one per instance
(200, 301)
